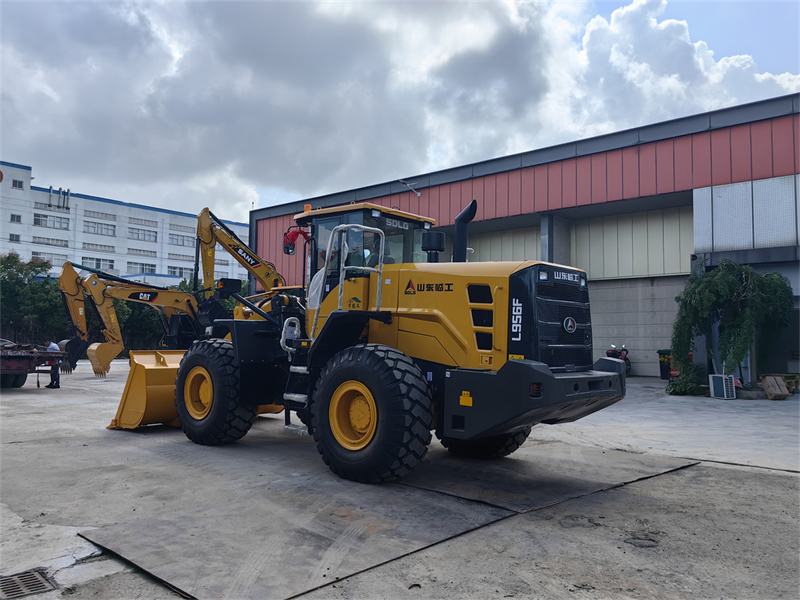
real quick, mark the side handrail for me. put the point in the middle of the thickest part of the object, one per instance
(343, 270)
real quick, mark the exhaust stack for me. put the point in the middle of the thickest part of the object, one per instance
(462, 225)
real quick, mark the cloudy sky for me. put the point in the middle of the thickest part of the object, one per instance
(235, 104)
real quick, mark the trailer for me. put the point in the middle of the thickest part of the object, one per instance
(17, 360)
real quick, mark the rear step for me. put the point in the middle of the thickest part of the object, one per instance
(296, 429)
(303, 370)
(299, 398)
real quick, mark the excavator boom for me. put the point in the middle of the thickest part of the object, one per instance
(212, 231)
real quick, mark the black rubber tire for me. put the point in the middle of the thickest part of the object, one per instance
(6, 381)
(404, 414)
(496, 446)
(227, 421)
(19, 380)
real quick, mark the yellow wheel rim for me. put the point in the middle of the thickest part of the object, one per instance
(198, 393)
(353, 415)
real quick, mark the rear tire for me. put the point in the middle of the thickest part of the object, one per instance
(207, 395)
(19, 380)
(496, 446)
(371, 414)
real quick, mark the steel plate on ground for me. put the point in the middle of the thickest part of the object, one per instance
(537, 475)
(283, 539)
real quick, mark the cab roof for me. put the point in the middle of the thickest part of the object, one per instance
(305, 217)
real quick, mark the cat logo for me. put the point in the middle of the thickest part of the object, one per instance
(410, 289)
(354, 303)
(144, 296)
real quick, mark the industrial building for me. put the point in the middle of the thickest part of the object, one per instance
(143, 243)
(635, 209)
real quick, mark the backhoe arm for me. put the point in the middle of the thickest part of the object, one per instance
(101, 355)
(71, 290)
(210, 231)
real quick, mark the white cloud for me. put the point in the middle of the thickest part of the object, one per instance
(225, 104)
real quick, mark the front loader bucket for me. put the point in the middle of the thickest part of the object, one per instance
(101, 355)
(149, 395)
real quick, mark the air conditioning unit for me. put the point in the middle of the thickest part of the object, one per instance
(722, 386)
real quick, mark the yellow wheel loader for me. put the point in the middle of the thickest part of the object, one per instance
(386, 344)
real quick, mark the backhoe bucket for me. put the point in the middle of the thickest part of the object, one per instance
(149, 395)
(101, 355)
(74, 347)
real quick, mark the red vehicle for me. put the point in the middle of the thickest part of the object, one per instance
(17, 360)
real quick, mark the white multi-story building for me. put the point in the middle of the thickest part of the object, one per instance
(143, 243)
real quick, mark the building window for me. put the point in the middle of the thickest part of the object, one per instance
(101, 264)
(185, 228)
(16, 218)
(180, 240)
(185, 257)
(99, 228)
(182, 272)
(54, 207)
(13, 237)
(144, 235)
(16, 183)
(98, 247)
(140, 252)
(50, 241)
(53, 259)
(144, 222)
(134, 268)
(51, 221)
(243, 276)
(221, 274)
(99, 215)
(221, 261)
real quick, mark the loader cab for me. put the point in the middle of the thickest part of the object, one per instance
(403, 234)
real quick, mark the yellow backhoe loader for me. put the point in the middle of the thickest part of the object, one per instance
(385, 344)
(177, 312)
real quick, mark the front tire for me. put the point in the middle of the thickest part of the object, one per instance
(207, 394)
(496, 446)
(371, 414)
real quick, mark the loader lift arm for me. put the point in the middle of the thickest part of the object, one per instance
(102, 288)
(210, 231)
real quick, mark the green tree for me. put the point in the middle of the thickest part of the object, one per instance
(740, 301)
(32, 310)
(187, 285)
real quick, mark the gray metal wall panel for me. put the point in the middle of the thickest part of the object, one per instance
(373, 192)
(774, 212)
(546, 155)
(613, 141)
(451, 175)
(498, 165)
(732, 207)
(638, 313)
(671, 129)
(701, 215)
(768, 109)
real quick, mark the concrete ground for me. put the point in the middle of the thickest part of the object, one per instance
(726, 527)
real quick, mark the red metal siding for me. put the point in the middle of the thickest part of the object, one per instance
(489, 197)
(599, 192)
(584, 180)
(433, 202)
(665, 167)
(424, 202)
(782, 147)
(515, 193)
(721, 156)
(683, 163)
(540, 188)
(569, 180)
(761, 136)
(502, 195)
(630, 172)
(797, 143)
(701, 160)
(527, 190)
(740, 154)
(479, 194)
(647, 169)
(458, 205)
(554, 186)
(614, 175)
